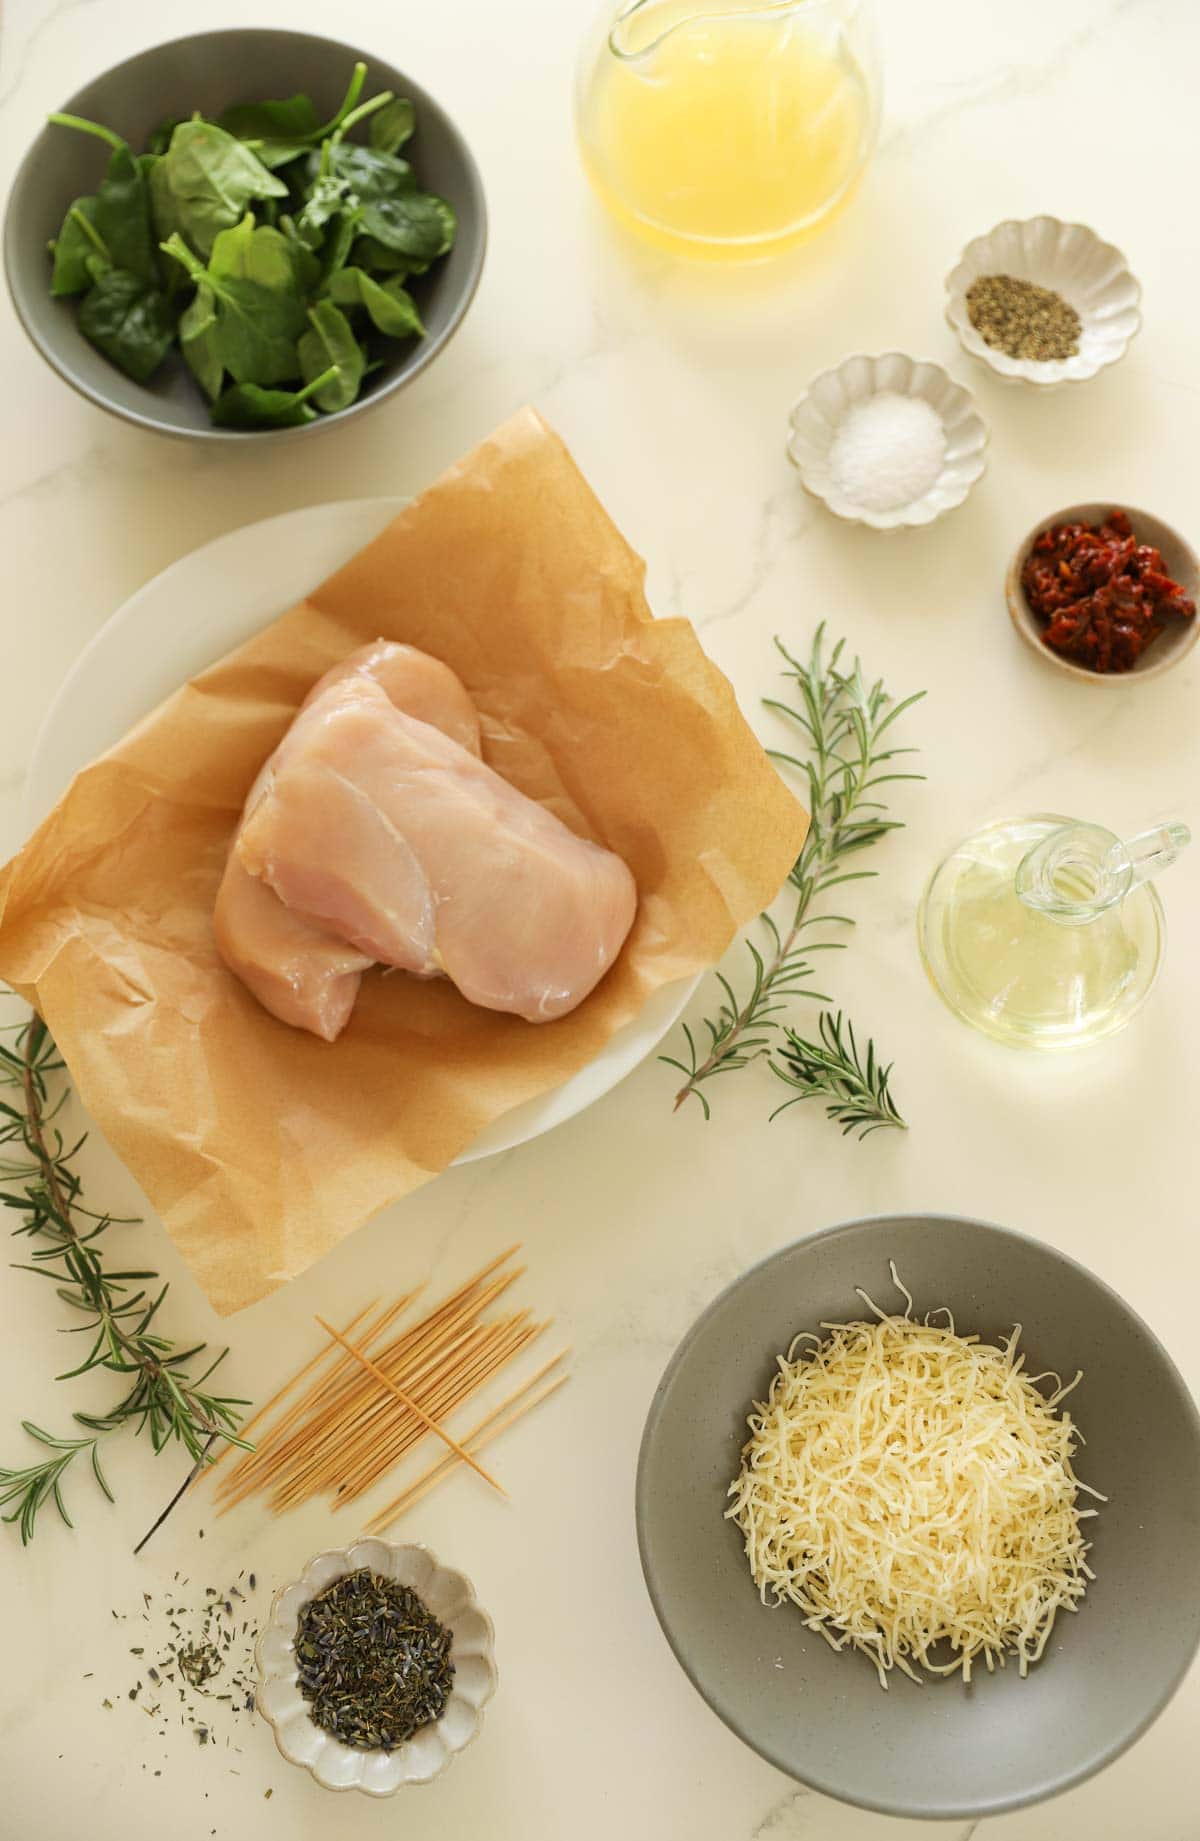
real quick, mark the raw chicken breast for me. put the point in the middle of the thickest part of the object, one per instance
(385, 832)
(416, 683)
(299, 972)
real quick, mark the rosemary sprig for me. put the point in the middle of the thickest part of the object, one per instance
(163, 1398)
(856, 1094)
(845, 722)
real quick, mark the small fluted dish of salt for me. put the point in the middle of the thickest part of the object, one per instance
(888, 441)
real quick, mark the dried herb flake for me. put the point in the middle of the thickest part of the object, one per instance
(373, 1661)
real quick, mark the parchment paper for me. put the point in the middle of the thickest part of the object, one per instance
(260, 1146)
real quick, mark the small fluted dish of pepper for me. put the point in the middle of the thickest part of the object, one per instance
(1107, 593)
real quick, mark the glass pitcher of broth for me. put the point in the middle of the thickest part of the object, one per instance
(729, 128)
(1046, 932)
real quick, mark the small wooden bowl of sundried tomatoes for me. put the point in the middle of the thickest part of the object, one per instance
(1105, 592)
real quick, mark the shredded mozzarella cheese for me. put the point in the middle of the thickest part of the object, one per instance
(907, 1487)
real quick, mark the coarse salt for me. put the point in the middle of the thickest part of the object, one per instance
(887, 451)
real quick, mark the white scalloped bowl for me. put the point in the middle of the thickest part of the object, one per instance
(816, 416)
(451, 1597)
(1091, 276)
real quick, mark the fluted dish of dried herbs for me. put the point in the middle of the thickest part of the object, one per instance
(372, 1661)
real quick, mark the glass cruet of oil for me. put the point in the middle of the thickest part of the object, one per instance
(728, 128)
(1045, 932)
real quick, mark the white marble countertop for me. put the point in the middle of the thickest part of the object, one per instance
(673, 394)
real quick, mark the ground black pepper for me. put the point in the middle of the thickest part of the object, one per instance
(1023, 320)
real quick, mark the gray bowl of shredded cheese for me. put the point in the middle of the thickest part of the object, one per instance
(918, 1503)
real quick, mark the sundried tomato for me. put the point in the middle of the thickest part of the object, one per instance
(1103, 596)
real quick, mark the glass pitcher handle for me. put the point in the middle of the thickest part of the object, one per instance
(1150, 852)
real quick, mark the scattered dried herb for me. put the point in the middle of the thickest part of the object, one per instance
(202, 1676)
(373, 1661)
(199, 1663)
(1023, 320)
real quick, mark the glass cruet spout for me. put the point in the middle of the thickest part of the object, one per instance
(1078, 871)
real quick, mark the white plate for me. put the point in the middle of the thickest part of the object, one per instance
(186, 619)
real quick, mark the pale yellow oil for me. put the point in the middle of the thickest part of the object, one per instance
(730, 135)
(1032, 976)
(1016, 973)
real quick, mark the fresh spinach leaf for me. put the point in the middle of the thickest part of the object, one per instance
(367, 173)
(341, 178)
(294, 120)
(257, 332)
(256, 327)
(331, 342)
(123, 217)
(403, 308)
(248, 406)
(335, 249)
(309, 265)
(279, 153)
(391, 308)
(114, 221)
(76, 241)
(204, 183)
(279, 132)
(256, 253)
(393, 125)
(417, 224)
(368, 253)
(129, 321)
(198, 341)
(324, 202)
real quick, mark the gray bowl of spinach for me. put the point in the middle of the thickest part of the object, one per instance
(211, 265)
